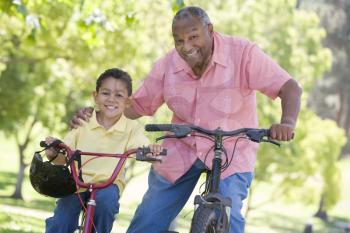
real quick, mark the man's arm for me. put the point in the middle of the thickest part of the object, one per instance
(290, 94)
(80, 115)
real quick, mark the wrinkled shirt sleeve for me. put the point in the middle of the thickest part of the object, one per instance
(137, 137)
(149, 97)
(264, 74)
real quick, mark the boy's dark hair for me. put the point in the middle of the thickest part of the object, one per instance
(117, 74)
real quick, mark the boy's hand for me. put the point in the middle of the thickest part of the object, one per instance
(50, 152)
(82, 114)
(155, 151)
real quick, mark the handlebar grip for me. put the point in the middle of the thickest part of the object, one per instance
(142, 152)
(159, 127)
(147, 150)
(43, 144)
(53, 144)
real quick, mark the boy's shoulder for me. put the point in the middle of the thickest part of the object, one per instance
(130, 123)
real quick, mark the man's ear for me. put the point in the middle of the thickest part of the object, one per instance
(210, 28)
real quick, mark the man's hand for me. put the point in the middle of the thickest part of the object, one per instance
(82, 114)
(282, 132)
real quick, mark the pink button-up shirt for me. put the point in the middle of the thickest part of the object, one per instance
(223, 97)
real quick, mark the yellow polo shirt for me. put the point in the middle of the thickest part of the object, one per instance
(92, 137)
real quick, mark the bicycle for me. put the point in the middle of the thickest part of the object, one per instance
(212, 209)
(87, 224)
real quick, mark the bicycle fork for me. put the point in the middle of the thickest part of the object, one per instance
(90, 211)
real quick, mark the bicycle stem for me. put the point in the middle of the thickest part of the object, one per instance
(216, 172)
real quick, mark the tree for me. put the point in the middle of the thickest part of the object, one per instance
(45, 48)
(330, 97)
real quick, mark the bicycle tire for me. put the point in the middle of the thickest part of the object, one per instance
(204, 220)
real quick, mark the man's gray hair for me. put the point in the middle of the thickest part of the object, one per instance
(194, 11)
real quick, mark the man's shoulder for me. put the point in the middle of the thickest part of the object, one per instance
(234, 41)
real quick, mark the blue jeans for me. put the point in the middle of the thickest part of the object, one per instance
(163, 200)
(66, 213)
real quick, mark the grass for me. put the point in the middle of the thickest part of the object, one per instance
(276, 217)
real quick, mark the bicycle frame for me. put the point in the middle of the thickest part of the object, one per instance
(94, 187)
(212, 200)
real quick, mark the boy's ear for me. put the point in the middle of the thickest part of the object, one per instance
(94, 95)
(128, 102)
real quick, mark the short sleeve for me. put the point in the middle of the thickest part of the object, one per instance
(264, 74)
(137, 137)
(71, 138)
(149, 97)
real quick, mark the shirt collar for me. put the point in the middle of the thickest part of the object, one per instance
(218, 56)
(120, 125)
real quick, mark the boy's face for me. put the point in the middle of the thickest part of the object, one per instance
(112, 98)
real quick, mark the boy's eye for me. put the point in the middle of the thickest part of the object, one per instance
(119, 96)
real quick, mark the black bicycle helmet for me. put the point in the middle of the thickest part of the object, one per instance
(50, 179)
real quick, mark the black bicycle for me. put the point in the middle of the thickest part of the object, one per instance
(212, 209)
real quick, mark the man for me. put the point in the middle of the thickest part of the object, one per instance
(209, 80)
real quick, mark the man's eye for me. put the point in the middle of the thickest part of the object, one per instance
(178, 42)
(104, 93)
(193, 37)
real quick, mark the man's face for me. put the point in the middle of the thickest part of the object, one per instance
(193, 41)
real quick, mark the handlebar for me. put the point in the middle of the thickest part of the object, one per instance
(181, 131)
(141, 155)
(141, 152)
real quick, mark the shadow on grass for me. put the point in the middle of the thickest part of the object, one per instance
(10, 223)
(46, 204)
(280, 222)
(7, 180)
(7, 184)
(285, 223)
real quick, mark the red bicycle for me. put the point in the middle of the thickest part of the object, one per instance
(50, 179)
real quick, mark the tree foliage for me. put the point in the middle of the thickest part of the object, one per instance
(52, 53)
(331, 98)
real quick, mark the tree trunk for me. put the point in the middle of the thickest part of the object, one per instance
(321, 212)
(17, 194)
(20, 177)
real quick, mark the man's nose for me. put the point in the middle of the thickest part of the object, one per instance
(187, 46)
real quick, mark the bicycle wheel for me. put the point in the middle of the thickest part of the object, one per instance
(205, 221)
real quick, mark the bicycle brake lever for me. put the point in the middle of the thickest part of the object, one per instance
(271, 141)
(168, 136)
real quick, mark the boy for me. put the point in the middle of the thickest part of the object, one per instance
(108, 131)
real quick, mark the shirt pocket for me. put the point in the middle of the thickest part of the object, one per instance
(227, 101)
